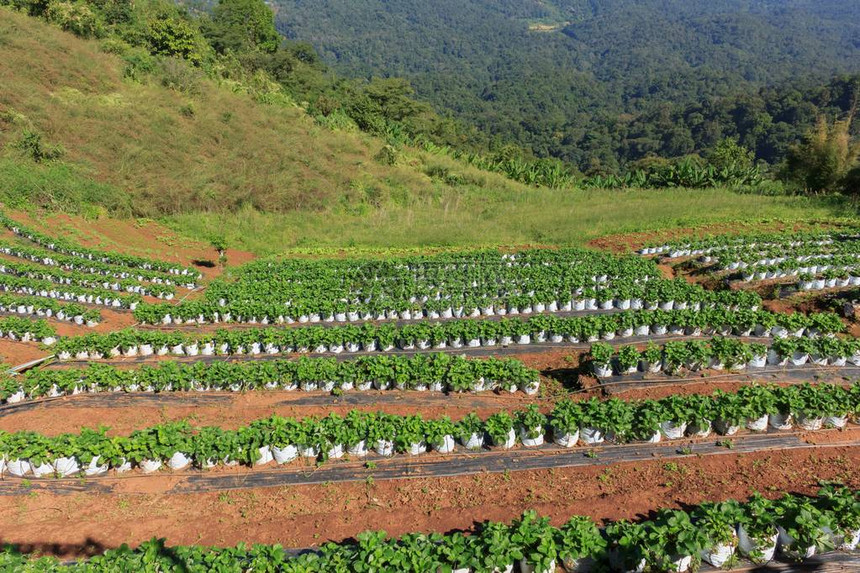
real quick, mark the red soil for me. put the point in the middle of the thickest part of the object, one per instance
(304, 516)
(144, 238)
(625, 243)
(69, 414)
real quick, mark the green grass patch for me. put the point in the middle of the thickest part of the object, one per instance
(58, 186)
(482, 217)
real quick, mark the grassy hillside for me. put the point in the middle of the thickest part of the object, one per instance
(169, 150)
(268, 178)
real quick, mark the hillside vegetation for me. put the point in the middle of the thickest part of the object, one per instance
(81, 132)
(605, 83)
(157, 150)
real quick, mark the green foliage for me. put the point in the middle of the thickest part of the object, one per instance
(31, 7)
(242, 26)
(31, 144)
(688, 172)
(76, 17)
(823, 161)
(851, 182)
(593, 92)
(730, 156)
(174, 36)
(490, 546)
(387, 155)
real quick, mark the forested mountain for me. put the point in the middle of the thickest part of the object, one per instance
(602, 83)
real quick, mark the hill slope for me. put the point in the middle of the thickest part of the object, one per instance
(163, 150)
(208, 161)
(554, 75)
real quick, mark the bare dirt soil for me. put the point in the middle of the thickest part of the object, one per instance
(123, 413)
(15, 353)
(303, 516)
(627, 242)
(140, 237)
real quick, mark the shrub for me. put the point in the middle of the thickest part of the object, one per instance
(177, 75)
(76, 17)
(824, 159)
(386, 156)
(34, 147)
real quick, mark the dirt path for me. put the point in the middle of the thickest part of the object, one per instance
(304, 516)
(124, 413)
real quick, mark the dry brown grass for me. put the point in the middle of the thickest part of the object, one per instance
(232, 152)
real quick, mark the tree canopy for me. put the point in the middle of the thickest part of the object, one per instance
(242, 25)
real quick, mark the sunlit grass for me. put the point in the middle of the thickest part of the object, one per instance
(479, 217)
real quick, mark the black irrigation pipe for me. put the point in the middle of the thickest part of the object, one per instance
(497, 350)
(831, 562)
(298, 398)
(790, 374)
(421, 467)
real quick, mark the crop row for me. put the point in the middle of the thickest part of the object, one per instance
(673, 540)
(723, 353)
(433, 372)
(829, 279)
(41, 307)
(179, 445)
(719, 243)
(479, 274)
(83, 280)
(743, 259)
(456, 334)
(835, 270)
(69, 248)
(625, 295)
(16, 328)
(790, 247)
(69, 263)
(47, 289)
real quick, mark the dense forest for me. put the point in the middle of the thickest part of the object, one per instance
(603, 84)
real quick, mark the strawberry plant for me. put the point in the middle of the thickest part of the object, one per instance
(580, 539)
(499, 427)
(804, 525)
(532, 421)
(535, 540)
(628, 359)
(566, 418)
(717, 522)
(647, 417)
(627, 545)
(671, 537)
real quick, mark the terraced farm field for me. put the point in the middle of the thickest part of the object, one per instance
(519, 409)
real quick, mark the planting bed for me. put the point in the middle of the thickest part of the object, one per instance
(306, 516)
(360, 433)
(124, 413)
(726, 354)
(721, 379)
(431, 465)
(811, 260)
(461, 381)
